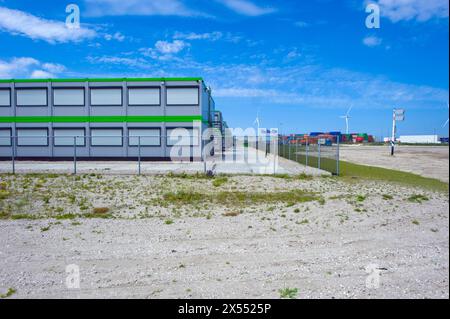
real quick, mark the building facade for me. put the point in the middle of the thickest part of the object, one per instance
(103, 117)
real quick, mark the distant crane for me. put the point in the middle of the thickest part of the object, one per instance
(347, 117)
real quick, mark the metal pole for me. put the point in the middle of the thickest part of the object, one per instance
(74, 155)
(337, 156)
(307, 152)
(289, 150)
(393, 133)
(296, 151)
(139, 155)
(318, 151)
(13, 154)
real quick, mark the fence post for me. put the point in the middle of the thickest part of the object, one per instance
(13, 154)
(74, 155)
(307, 152)
(318, 151)
(289, 151)
(296, 151)
(139, 155)
(337, 156)
(234, 149)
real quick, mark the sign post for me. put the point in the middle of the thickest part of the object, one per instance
(398, 115)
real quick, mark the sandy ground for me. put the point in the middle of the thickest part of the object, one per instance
(321, 247)
(428, 161)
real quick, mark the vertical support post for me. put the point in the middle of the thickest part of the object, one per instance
(289, 151)
(234, 149)
(139, 155)
(307, 152)
(74, 155)
(393, 133)
(296, 151)
(318, 153)
(13, 154)
(337, 155)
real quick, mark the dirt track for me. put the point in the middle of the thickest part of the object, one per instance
(428, 161)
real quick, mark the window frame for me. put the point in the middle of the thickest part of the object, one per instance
(10, 96)
(185, 127)
(93, 88)
(143, 88)
(183, 87)
(31, 129)
(67, 129)
(144, 128)
(105, 128)
(69, 88)
(18, 89)
(10, 136)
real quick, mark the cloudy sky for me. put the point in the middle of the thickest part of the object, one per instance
(300, 63)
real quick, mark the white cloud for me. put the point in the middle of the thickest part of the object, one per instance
(301, 24)
(27, 67)
(420, 10)
(116, 36)
(246, 7)
(130, 62)
(174, 47)
(99, 8)
(21, 23)
(372, 41)
(212, 36)
(41, 74)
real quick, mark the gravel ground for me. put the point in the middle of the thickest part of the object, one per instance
(427, 161)
(149, 248)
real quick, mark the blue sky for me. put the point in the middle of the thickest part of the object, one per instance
(300, 63)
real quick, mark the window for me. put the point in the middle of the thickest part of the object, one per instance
(148, 136)
(5, 137)
(68, 96)
(143, 96)
(31, 97)
(106, 96)
(106, 137)
(182, 137)
(32, 137)
(5, 97)
(182, 96)
(66, 136)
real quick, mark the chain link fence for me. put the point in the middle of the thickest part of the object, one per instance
(314, 153)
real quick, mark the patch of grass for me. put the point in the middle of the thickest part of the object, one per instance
(239, 198)
(297, 210)
(417, 198)
(24, 216)
(9, 293)
(66, 216)
(360, 198)
(219, 181)
(415, 222)
(4, 194)
(100, 210)
(350, 171)
(387, 197)
(231, 214)
(302, 222)
(290, 293)
(47, 228)
(168, 222)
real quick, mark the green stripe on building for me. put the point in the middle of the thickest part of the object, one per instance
(100, 119)
(102, 80)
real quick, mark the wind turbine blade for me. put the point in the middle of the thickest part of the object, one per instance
(445, 124)
(350, 108)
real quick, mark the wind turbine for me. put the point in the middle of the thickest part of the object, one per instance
(346, 117)
(446, 122)
(257, 122)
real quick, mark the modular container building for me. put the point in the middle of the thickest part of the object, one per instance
(106, 114)
(419, 139)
